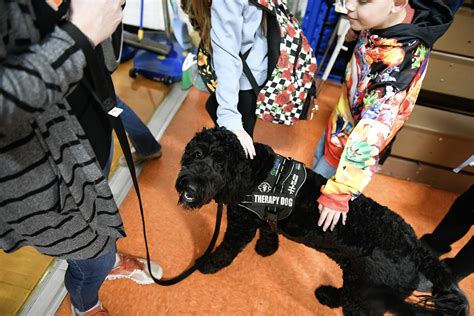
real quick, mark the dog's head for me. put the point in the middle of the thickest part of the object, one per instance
(210, 167)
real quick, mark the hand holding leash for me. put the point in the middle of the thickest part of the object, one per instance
(97, 19)
(330, 217)
(246, 142)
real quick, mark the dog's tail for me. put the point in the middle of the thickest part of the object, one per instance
(446, 298)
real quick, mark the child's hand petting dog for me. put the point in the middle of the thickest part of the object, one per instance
(246, 142)
(330, 217)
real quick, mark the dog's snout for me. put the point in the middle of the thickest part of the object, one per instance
(191, 188)
(188, 192)
(197, 182)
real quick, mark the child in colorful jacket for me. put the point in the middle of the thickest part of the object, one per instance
(382, 83)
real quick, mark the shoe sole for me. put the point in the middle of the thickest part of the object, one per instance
(144, 282)
(117, 277)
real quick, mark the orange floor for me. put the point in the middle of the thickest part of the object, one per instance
(281, 284)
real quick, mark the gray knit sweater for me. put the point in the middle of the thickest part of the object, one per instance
(53, 195)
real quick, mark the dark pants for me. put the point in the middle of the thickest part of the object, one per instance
(246, 106)
(142, 139)
(84, 278)
(455, 224)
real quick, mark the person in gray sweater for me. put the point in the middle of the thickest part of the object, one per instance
(55, 143)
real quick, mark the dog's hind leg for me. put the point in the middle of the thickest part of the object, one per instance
(353, 302)
(241, 229)
(356, 296)
(267, 244)
(357, 301)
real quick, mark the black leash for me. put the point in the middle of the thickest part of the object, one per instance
(117, 125)
(119, 130)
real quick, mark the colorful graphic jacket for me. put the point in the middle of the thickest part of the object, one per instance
(382, 83)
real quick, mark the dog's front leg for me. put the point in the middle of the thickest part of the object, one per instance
(241, 229)
(267, 244)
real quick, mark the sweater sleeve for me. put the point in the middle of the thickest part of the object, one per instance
(39, 76)
(226, 41)
(387, 103)
(360, 156)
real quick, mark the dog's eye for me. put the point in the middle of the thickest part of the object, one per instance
(197, 154)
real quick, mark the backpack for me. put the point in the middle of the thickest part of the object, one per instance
(290, 89)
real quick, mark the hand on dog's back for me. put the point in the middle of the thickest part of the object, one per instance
(246, 142)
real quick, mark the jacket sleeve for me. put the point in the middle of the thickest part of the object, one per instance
(226, 41)
(387, 102)
(39, 76)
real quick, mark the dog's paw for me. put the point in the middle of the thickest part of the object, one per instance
(266, 246)
(207, 265)
(329, 296)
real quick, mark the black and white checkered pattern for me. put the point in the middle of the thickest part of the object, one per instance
(276, 84)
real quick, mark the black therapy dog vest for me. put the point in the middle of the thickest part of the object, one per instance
(275, 197)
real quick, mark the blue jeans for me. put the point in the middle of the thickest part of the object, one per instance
(320, 164)
(142, 139)
(84, 277)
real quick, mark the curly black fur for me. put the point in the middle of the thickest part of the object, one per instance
(378, 251)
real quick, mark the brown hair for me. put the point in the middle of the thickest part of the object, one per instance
(199, 12)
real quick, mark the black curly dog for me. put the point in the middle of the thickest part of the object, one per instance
(377, 250)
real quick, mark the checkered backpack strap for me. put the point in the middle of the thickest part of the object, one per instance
(289, 92)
